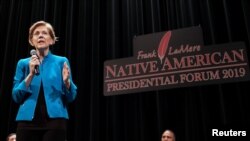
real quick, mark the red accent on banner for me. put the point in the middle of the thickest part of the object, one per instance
(163, 45)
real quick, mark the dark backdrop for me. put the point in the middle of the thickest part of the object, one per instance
(92, 31)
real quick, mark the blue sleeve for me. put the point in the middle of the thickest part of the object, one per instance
(20, 91)
(72, 91)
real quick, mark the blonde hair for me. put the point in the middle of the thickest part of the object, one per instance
(42, 23)
(11, 134)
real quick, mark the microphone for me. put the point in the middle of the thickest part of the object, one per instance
(33, 52)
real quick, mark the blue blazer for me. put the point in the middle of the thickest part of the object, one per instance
(55, 92)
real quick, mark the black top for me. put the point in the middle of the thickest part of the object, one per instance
(41, 119)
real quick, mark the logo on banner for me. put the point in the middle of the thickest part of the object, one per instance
(173, 59)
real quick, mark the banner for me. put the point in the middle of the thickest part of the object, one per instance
(174, 59)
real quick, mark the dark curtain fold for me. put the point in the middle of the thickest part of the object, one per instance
(91, 32)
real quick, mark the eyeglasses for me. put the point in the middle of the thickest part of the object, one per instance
(43, 33)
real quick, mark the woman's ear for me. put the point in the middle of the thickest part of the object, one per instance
(31, 43)
(52, 42)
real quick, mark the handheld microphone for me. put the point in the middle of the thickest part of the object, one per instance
(33, 52)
